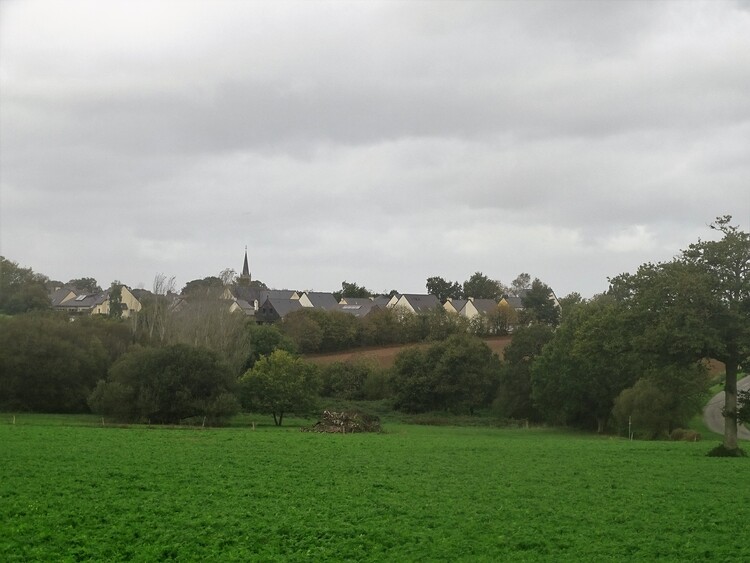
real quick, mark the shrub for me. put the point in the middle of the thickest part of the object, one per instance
(166, 386)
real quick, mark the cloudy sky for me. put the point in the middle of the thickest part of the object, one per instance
(375, 142)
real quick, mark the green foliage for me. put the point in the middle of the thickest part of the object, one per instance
(586, 365)
(443, 289)
(354, 380)
(21, 290)
(167, 385)
(314, 330)
(458, 374)
(279, 384)
(696, 306)
(413, 493)
(539, 306)
(664, 399)
(352, 290)
(441, 324)
(115, 301)
(514, 399)
(85, 285)
(208, 323)
(480, 286)
(208, 287)
(48, 364)
(265, 339)
(520, 284)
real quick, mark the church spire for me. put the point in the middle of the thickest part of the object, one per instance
(245, 276)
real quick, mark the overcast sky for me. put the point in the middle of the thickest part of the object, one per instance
(375, 142)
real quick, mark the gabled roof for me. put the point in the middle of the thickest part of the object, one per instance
(356, 301)
(320, 300)
(484, 306)
(61, 295)
(281, 307)
(514, 301)
(84, 301)
(454, 305)
(420, 303)
(361, 309)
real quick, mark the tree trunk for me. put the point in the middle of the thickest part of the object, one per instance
(730, 406)
(600, 422)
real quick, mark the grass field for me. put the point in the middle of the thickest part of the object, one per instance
(74, 491)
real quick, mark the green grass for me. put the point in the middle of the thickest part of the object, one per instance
(81, 492)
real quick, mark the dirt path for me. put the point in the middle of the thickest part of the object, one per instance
(712, 412)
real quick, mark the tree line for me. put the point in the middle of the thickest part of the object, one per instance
(634, 355)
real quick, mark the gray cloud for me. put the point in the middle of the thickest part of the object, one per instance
(379, 142)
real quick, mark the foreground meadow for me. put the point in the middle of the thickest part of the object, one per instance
(70, 491)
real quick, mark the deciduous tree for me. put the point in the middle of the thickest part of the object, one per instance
(167, 385)
(480, 286)
(21, 290)
(443, 289)
(698, 306)
(279, 384)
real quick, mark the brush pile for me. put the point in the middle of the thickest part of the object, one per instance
(346, 422)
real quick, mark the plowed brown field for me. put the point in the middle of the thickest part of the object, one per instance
(385, 356)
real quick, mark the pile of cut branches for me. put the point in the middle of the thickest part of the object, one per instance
(346, 422)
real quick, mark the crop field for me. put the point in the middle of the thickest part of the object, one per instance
(74, 491)
(385, 356)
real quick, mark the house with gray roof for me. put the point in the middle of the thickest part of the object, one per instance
(318, 300)
(274, 309)
(454, 305)
(416, 303)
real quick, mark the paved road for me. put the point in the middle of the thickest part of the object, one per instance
(712, 412)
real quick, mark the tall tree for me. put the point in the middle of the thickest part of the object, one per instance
(85, 285)
(21, 289)
(587, 364)
(480, 286)
(520, 284)
(351, 289)
(279, 384)
(443, 289)
(514, 391)
(115, 300)
(698, 306)
(539, 306)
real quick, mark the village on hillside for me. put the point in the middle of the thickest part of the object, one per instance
(245, 296)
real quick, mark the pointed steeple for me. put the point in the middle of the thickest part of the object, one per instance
(245, 276)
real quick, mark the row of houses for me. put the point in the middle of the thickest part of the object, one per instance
(268, 306)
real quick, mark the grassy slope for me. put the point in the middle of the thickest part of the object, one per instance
(76, 492)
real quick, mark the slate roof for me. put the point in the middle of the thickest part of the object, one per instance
(514, 301)
(484, 306)
(356, 301)
(57, 296)
(320, 300)
(84, 302)
(281, 307)
(457, 304)
(421, 303)
(360, 309)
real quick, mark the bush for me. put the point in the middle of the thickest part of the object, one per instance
(457, 375)
(167, 385)
(354, 380)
